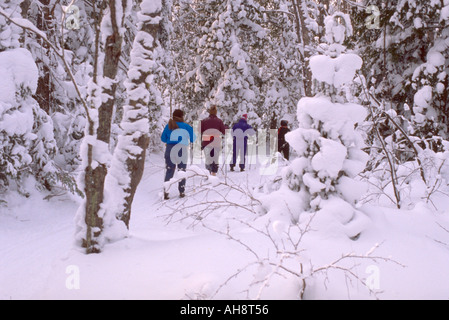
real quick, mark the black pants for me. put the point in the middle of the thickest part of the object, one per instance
(239, 149)
(171, 164)
(285, 150)
(211, 159)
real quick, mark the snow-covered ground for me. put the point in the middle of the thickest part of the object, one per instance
(227, 253)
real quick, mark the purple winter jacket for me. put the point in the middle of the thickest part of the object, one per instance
(244, 126)
(212, 122)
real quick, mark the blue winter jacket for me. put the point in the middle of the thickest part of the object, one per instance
(183, 135)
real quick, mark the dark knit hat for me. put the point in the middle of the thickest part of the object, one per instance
(178, 113)
(178, 116)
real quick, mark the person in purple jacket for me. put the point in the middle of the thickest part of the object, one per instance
(211, 130)
(240, 132)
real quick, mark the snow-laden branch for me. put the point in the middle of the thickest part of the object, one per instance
(211, 194)
(288, 261)
(280, 11)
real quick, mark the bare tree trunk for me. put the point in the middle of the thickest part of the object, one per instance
(24, 6)
(44, 23)
(303, 35)
(113, 50)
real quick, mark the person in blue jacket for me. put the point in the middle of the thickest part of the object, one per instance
(177, 135)
(240, 132)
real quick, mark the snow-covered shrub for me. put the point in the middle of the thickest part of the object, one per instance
(424, 177)
(70, 129)
(328, 145)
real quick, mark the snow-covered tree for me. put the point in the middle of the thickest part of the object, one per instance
(187, 21)
(56, 92)
(100, 103)
(327, 143)
(405, 63)
(280, 65)
(142, 109)
(430, 79)
(36, 135)
(27, 143)
(225, 70)
(163, 74)
(403, 59)
(10, 33)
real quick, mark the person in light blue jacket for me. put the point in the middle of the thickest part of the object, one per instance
(177, 136)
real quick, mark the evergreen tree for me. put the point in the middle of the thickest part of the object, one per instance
(327, 142)
(430, 80)
(10, 33)
(55, 93)
(27, 143)
(188, 17)
(396, 55)
(280, 65)
(30, 148)
(225, 72)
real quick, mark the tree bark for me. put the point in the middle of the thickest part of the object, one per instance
(44, 23)
(94, 177)
(136, 117)
(304, 38)
(113, 51)
(135, 167)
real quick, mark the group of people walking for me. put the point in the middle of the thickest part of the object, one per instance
(211, 129)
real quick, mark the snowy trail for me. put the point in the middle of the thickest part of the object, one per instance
(181, 260)
(157, 261)
(33, 234)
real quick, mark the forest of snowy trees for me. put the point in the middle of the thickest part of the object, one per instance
(86, 88)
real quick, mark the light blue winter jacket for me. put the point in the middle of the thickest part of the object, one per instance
(183, 135)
